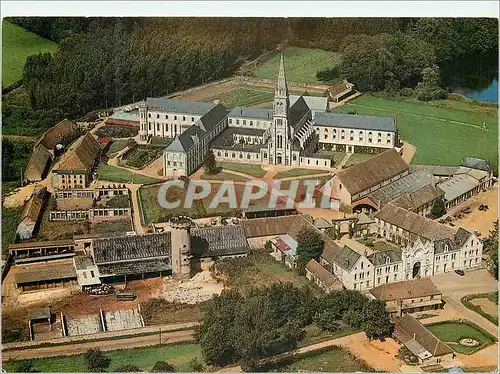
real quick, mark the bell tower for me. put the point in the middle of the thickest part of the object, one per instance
(280, 141)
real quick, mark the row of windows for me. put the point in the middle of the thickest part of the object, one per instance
(174, 163)
(244, 122)
(370, 140)
(175, 117)
(173, 127)
(362, 275)
(361, 285)
(387, 279)
(233, 155)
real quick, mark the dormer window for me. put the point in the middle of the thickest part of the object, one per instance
(446, 247)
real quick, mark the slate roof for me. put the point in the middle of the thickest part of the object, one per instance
(318, 271)
(346, 258)
(461, 236)
(241, 112)
(352, 121)
(37, 162)
(437, 170)
(297, 111)
(422, 196)
(82, 155)
(179, 106)
(379, 258)
(408, 183)
(444, 245)
(315, 103)
(414, 223)
(415, 288)
(212, 118)
(457, 186)
(375, 170)
(64, 132)
(219, 241)
(409, 329)
(136, 267)
(476, 163)
(132, 248)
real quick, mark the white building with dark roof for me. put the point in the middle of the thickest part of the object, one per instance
(284, 135)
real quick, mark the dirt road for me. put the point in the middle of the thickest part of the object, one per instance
(107, 345)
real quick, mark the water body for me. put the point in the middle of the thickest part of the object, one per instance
(475, 77)
(490, 93)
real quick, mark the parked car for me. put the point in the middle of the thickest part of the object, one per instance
(460, 272)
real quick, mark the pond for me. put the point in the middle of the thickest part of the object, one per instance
(489, 93)
(474, 76)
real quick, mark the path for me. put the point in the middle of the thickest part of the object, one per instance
(136, 209)
(105, 345)
(409, 151)
(103, 336)
(344, 160)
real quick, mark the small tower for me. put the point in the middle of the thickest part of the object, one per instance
(180, 229)
(143, 121)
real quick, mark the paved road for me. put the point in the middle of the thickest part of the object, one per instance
(108, 345)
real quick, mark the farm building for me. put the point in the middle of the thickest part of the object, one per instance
(352, 186)
(421, 342)
(31, 214)
(76, 165)
(340, 91)
(409, 297)
(38, 164)
(322, 277)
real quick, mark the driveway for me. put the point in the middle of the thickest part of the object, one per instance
(454, 287)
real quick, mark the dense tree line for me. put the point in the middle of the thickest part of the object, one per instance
(271, 321)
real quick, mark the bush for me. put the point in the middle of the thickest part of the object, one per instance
(456, 97)
(196, 366)
(327, 74)
(407, 92)
(163, 367)
(96, 360)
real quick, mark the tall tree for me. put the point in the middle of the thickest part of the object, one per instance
(377, 324)
(438, 209)
(210, 164)
(309, 245)
(96, 360)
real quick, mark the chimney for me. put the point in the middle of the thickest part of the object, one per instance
(414, 336)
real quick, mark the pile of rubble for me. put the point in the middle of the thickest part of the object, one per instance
(103, 289)
(198, 289)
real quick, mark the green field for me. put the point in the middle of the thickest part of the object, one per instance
(298, 172)
(116, 146)
(452, 332)
(253, 170)
(301, 64)
(178, 355)
(222, 176)
(444, 131)
(115, 174)
(356, 158)
(17, 45)
(333, 359)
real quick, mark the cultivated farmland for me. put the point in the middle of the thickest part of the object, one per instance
(301, 64)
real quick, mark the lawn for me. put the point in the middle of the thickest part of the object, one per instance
(258, 269)
(484, 308)
(337, 157)
(160, 142)
(253, 170)
(243, 95)
(115, 174)
(10, 220)
(301, 64)
(17, 45)
(178, 355)
(298, 173)
(222, 176)
(105, 227)
(356, 158)
(116, 146)
(452, 332)
(444, 131)
(332, 359)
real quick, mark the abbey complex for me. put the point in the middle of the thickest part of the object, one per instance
(297, 132)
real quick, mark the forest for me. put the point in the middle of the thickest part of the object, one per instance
(108, 62)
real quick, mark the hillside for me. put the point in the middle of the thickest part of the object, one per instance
(18, 44)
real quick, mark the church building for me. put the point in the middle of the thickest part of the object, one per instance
(285, 135)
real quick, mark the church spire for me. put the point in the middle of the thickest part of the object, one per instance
(282, 88)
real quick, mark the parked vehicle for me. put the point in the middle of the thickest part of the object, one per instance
(460, 272)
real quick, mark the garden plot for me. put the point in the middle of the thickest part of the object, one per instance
(122, 320)
(85, 325)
